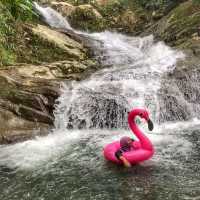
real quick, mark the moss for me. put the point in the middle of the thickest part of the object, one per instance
(35, 50)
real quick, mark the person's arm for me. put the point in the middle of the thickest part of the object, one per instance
(125, 161)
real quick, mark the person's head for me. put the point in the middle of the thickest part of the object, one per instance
(125, 141)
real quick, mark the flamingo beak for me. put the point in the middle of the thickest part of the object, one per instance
(150, 125)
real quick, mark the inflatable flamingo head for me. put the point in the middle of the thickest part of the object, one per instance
(142, 113)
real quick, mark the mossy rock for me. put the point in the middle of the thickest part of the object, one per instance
(123, 16)
(47, 45)
(179, 25)
(87, 18)
(35, 49)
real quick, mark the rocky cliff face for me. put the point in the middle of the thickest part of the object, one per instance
(28, 91)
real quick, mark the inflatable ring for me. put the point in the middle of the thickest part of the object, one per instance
(142, 148)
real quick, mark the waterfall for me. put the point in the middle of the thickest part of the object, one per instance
(132, 77)
(136, 74)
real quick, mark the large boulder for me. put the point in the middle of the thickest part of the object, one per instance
(26, 103)
(72, 48)
(122, 16)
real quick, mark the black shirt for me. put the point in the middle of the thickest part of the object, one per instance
(119, 152)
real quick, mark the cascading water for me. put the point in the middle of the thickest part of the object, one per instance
(68, 164)
(53, 18)
(133, 79)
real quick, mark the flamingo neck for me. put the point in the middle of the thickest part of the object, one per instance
(144, 140)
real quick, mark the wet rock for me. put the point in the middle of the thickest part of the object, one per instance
(64, 8)
(179, 96)
(172, 107)
(123, 16)
(104, 110)
(15, 129)
(26, 105)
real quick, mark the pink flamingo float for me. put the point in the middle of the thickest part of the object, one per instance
(142, 149)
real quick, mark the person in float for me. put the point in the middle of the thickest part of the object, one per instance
(125, 146)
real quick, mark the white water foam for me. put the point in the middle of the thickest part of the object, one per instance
(46, 151)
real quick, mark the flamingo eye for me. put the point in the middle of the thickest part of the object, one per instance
(141, 114)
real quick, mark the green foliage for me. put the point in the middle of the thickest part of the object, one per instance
(159, 4)
(20, 9)
(12, 12)
(7, 32)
